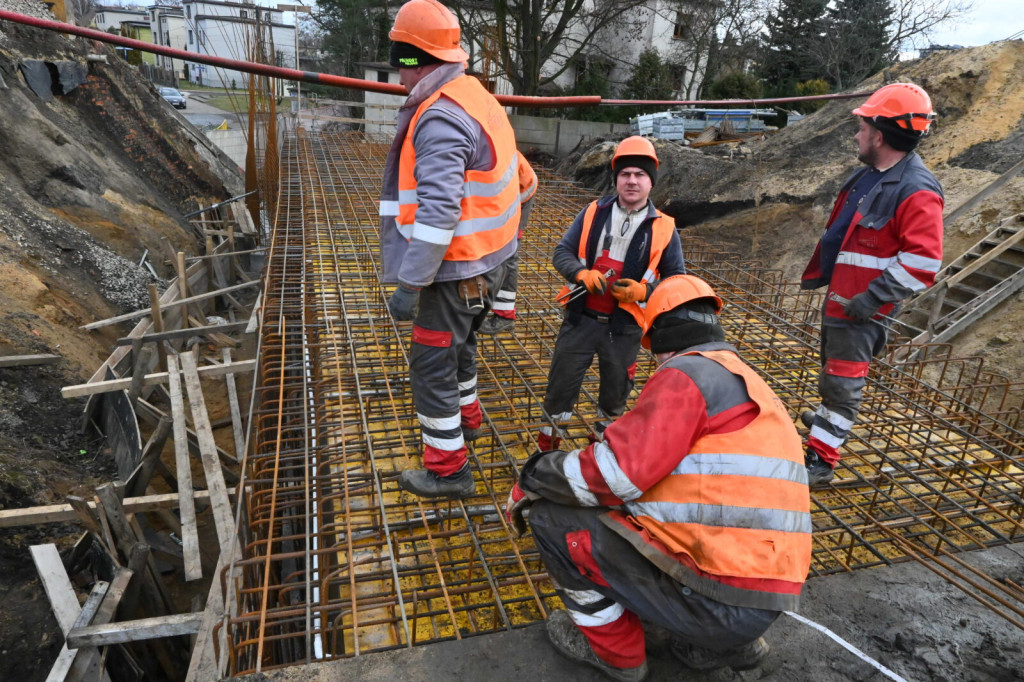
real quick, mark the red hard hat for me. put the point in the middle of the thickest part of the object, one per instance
(430, 26)
(671, 293)
(906, 104)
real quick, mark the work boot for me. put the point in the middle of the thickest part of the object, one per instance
(546, 442)
(819, 472)
(494, 324)
(469, 435)
(807, 418)
(599, 428)
(426, 483)
(738, 658)
(573, 644)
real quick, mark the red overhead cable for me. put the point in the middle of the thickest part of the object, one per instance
(373, 86)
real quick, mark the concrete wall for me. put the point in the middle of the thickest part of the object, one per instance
(557, 136)
(231, 142)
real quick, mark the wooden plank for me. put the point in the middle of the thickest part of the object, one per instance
(135, 630)
(62, 513)
(236, 413)
(55, 581)
(254, 317)
(221, 504)
(189, 533)
(151, 379)
(158, 325)
(182, 286)
(22, 360)
(996, 184)
(91, 605)
(182, 333)
(139, 479)
(166, 304)
(205, 664)
(151, 413)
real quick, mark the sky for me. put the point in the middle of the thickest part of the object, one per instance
(988, 21)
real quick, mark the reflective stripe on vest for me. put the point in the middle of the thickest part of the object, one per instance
(738, 505)
(490, 202)
(662, 228)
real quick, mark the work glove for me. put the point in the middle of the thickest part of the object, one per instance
(862, 307)
(629, 291)
(517, 503)
(403, 303)
(593, 280)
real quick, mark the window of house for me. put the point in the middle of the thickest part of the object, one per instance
(190, 41)
(382, 76)
(681, 30)
(188, 12)
(244, 14)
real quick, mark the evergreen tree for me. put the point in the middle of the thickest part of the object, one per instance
(859, 40)
(794, 32)
(651, 79)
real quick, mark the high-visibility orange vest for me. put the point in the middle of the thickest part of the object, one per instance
(490, 201)
(661, 234)
(753, 525)
(527, 179)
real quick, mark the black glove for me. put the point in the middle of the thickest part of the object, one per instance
(403, 303)
(863, 306)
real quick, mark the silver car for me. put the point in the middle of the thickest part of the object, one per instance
(176, 99)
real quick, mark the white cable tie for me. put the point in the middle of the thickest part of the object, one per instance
(849, 647)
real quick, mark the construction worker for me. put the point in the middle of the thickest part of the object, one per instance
(614, 253)
(882, 243)
(504, 310)
(693, 514)
(449, 213)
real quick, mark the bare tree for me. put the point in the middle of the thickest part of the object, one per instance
(533, 42)
(83, 11)
(915, 21)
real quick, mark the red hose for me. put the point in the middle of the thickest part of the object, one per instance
(373, 86)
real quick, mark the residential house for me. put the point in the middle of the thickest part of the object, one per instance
(229, 29)
(168, 27)
(109, 17)
(138, 30)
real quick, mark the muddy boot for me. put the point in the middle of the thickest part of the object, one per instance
(469, 435)
(494, 324)
(819, 473)
(807, 418)
(743, 657)
(573, 644)
(426, 483)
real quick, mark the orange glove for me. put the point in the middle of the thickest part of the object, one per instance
(629, 291)
(593, 280)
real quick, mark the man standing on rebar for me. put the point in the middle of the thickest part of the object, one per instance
(449, 214)
(693, 513)
(882, 243)
(504, 312)
(615, 252)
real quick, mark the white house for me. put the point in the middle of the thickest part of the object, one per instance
(228, 29)
(110, 17)
(168, 26)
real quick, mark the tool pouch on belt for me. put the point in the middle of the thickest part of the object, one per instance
(473, 291)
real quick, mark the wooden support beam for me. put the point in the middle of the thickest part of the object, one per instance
(182, 333)
(169, 304)
(222, 516)
(189, 533)
(152, 379)
(135, 630)
(139, 479)
(158, 325)
(63, 513)
(23, 360)
(236, 413)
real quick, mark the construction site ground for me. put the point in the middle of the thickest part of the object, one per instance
(83, 201)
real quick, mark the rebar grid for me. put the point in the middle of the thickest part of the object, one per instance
(339, 562)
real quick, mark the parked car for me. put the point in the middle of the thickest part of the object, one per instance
(176, 99)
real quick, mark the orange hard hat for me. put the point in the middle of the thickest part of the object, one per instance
(673, 292)
(430, 26)
(905, 104)
(635, 146)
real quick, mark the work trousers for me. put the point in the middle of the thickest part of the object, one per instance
(608, 587)
(575, 348)
(442, 365)
(846, 352)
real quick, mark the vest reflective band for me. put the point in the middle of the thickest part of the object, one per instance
(490, 200)
(662, 228)
(738, 504)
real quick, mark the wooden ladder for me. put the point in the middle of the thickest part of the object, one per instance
(987, 274)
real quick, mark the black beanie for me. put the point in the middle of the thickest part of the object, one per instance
(677, 330)
(407, 56)
(644, 163)
(895, 135)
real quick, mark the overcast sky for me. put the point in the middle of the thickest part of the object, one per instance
(988, 21)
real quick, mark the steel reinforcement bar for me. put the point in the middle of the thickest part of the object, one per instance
(339, 562)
